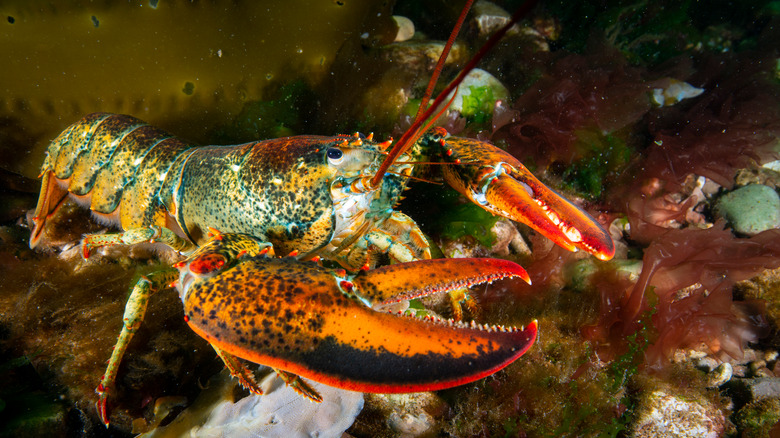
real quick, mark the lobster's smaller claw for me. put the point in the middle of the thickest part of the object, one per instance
(499, 183)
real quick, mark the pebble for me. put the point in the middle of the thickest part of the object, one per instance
(410, 415)
(489, 17)
(756, 366)
(750, 209)
(674, 91)
(405, 28)
(720, 375)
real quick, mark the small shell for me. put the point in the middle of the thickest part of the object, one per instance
(674, 92)
(405, 28)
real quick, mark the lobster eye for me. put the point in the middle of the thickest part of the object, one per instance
(335, 155)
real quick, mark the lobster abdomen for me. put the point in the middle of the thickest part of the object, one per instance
(106, 161)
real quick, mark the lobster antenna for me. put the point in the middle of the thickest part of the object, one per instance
(442, 58)
(413, 133)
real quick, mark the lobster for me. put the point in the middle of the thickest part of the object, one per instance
(318, 199)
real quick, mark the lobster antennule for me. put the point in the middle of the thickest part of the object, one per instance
(442, 58)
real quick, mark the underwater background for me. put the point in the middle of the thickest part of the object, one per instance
(661, 119)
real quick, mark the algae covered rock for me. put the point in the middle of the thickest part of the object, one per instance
(750, 209)
(758, 419)
(665, 413)
(477, 95)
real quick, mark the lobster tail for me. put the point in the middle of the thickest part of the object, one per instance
(102, 161)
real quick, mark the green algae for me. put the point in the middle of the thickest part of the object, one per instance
(603, 156)
(469, 220)
(457, 219)
(478, 105)
(757, 419)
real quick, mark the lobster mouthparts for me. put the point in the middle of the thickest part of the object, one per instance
(314, 322)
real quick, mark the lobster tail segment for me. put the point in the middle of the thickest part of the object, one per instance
(104, 161)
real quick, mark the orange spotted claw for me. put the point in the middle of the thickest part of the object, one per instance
(317, 323)
(499, 183)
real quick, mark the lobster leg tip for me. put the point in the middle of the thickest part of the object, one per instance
(100, 407)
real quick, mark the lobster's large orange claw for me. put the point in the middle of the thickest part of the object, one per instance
(299, 317)
(500, 184)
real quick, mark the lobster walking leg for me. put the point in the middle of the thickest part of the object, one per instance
(237, 369)
(299, 385)
(401, 238)
(246, 378)
(150, 234)
(135, 310)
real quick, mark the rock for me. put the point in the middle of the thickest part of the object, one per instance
(279, 412)
(508, 239)
(578, 274)
(750, 209)
(489, 89)
(410, 415)
(758, 388)
(758, 418)
(663, 413)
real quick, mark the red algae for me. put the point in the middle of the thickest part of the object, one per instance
(691, 273)
(574, 92)
(731, 126)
